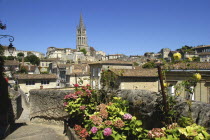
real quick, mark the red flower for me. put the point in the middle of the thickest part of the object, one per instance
(76, 85)
(84, 88)
(88, 85)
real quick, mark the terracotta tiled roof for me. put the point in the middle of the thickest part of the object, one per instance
(79, 73)
(11, 63)
(137, 67)
(204, 53)
(204, 46)
(190, 66)
(136, 73)
(80, 66)
(111, 62)
(92, 49)
(30, 68)
(49, 59)
(63, 65)
(36, 76)
(116, 55)
(173, 52)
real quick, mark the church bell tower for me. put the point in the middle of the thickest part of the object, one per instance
(81, 36)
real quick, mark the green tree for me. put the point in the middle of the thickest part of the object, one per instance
(84, 51)
(33, 59)
(135, 64)
(149, 65)
(185, 48)
(20, 54)
(10, 58)
(1, 50)
(196, 59)
(29, 53)
(23, 70)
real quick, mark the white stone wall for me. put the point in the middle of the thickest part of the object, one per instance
(27, 88)
(85, 79)
(152, 86)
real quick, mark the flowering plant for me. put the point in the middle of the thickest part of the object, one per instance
(175, 132)
(100, 120)
(112, 121)
(177, 56)
(80, 104)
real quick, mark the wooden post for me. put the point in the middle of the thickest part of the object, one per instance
(75, 78)
(163, 91)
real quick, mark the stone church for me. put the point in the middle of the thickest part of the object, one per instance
(81, 45)
(81, 36)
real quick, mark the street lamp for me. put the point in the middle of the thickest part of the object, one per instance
(11, 49)
(11, 39)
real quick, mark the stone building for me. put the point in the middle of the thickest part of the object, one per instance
(45, 64)
(79, 74)
(165, 53)
(184, 71)
(97, 67)
(75, 55)
(138, 79)
(26, 53)
(203, 52)
(11, 66)
(34, 81)
(32, 69)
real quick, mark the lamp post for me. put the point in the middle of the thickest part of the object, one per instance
(11, 49)
(11, 39)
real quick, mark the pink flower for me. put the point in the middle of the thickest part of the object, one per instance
(127, 116)
(156, 133)
(84, 88)
(73, 96)
(88, 91)
(76, 85)
(108, 122)
(88, 85)
(94, 130)
(65, 104)
(119, 124)
(96, 120)
(78, 92)
(107, 131)
(82, 107)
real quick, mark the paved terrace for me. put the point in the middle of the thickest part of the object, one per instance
(24, 130)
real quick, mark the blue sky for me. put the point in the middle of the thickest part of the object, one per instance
(130, 27)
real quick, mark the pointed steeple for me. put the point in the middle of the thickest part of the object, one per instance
(81, 23)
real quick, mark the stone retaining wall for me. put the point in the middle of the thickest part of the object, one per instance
(16, 105)
(47, 105)
(144, 105)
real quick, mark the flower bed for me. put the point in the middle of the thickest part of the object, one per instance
(94, 117)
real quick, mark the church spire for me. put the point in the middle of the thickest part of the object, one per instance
(81, 23)
(81, 36)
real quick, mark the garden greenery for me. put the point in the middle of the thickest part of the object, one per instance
(93, 119)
